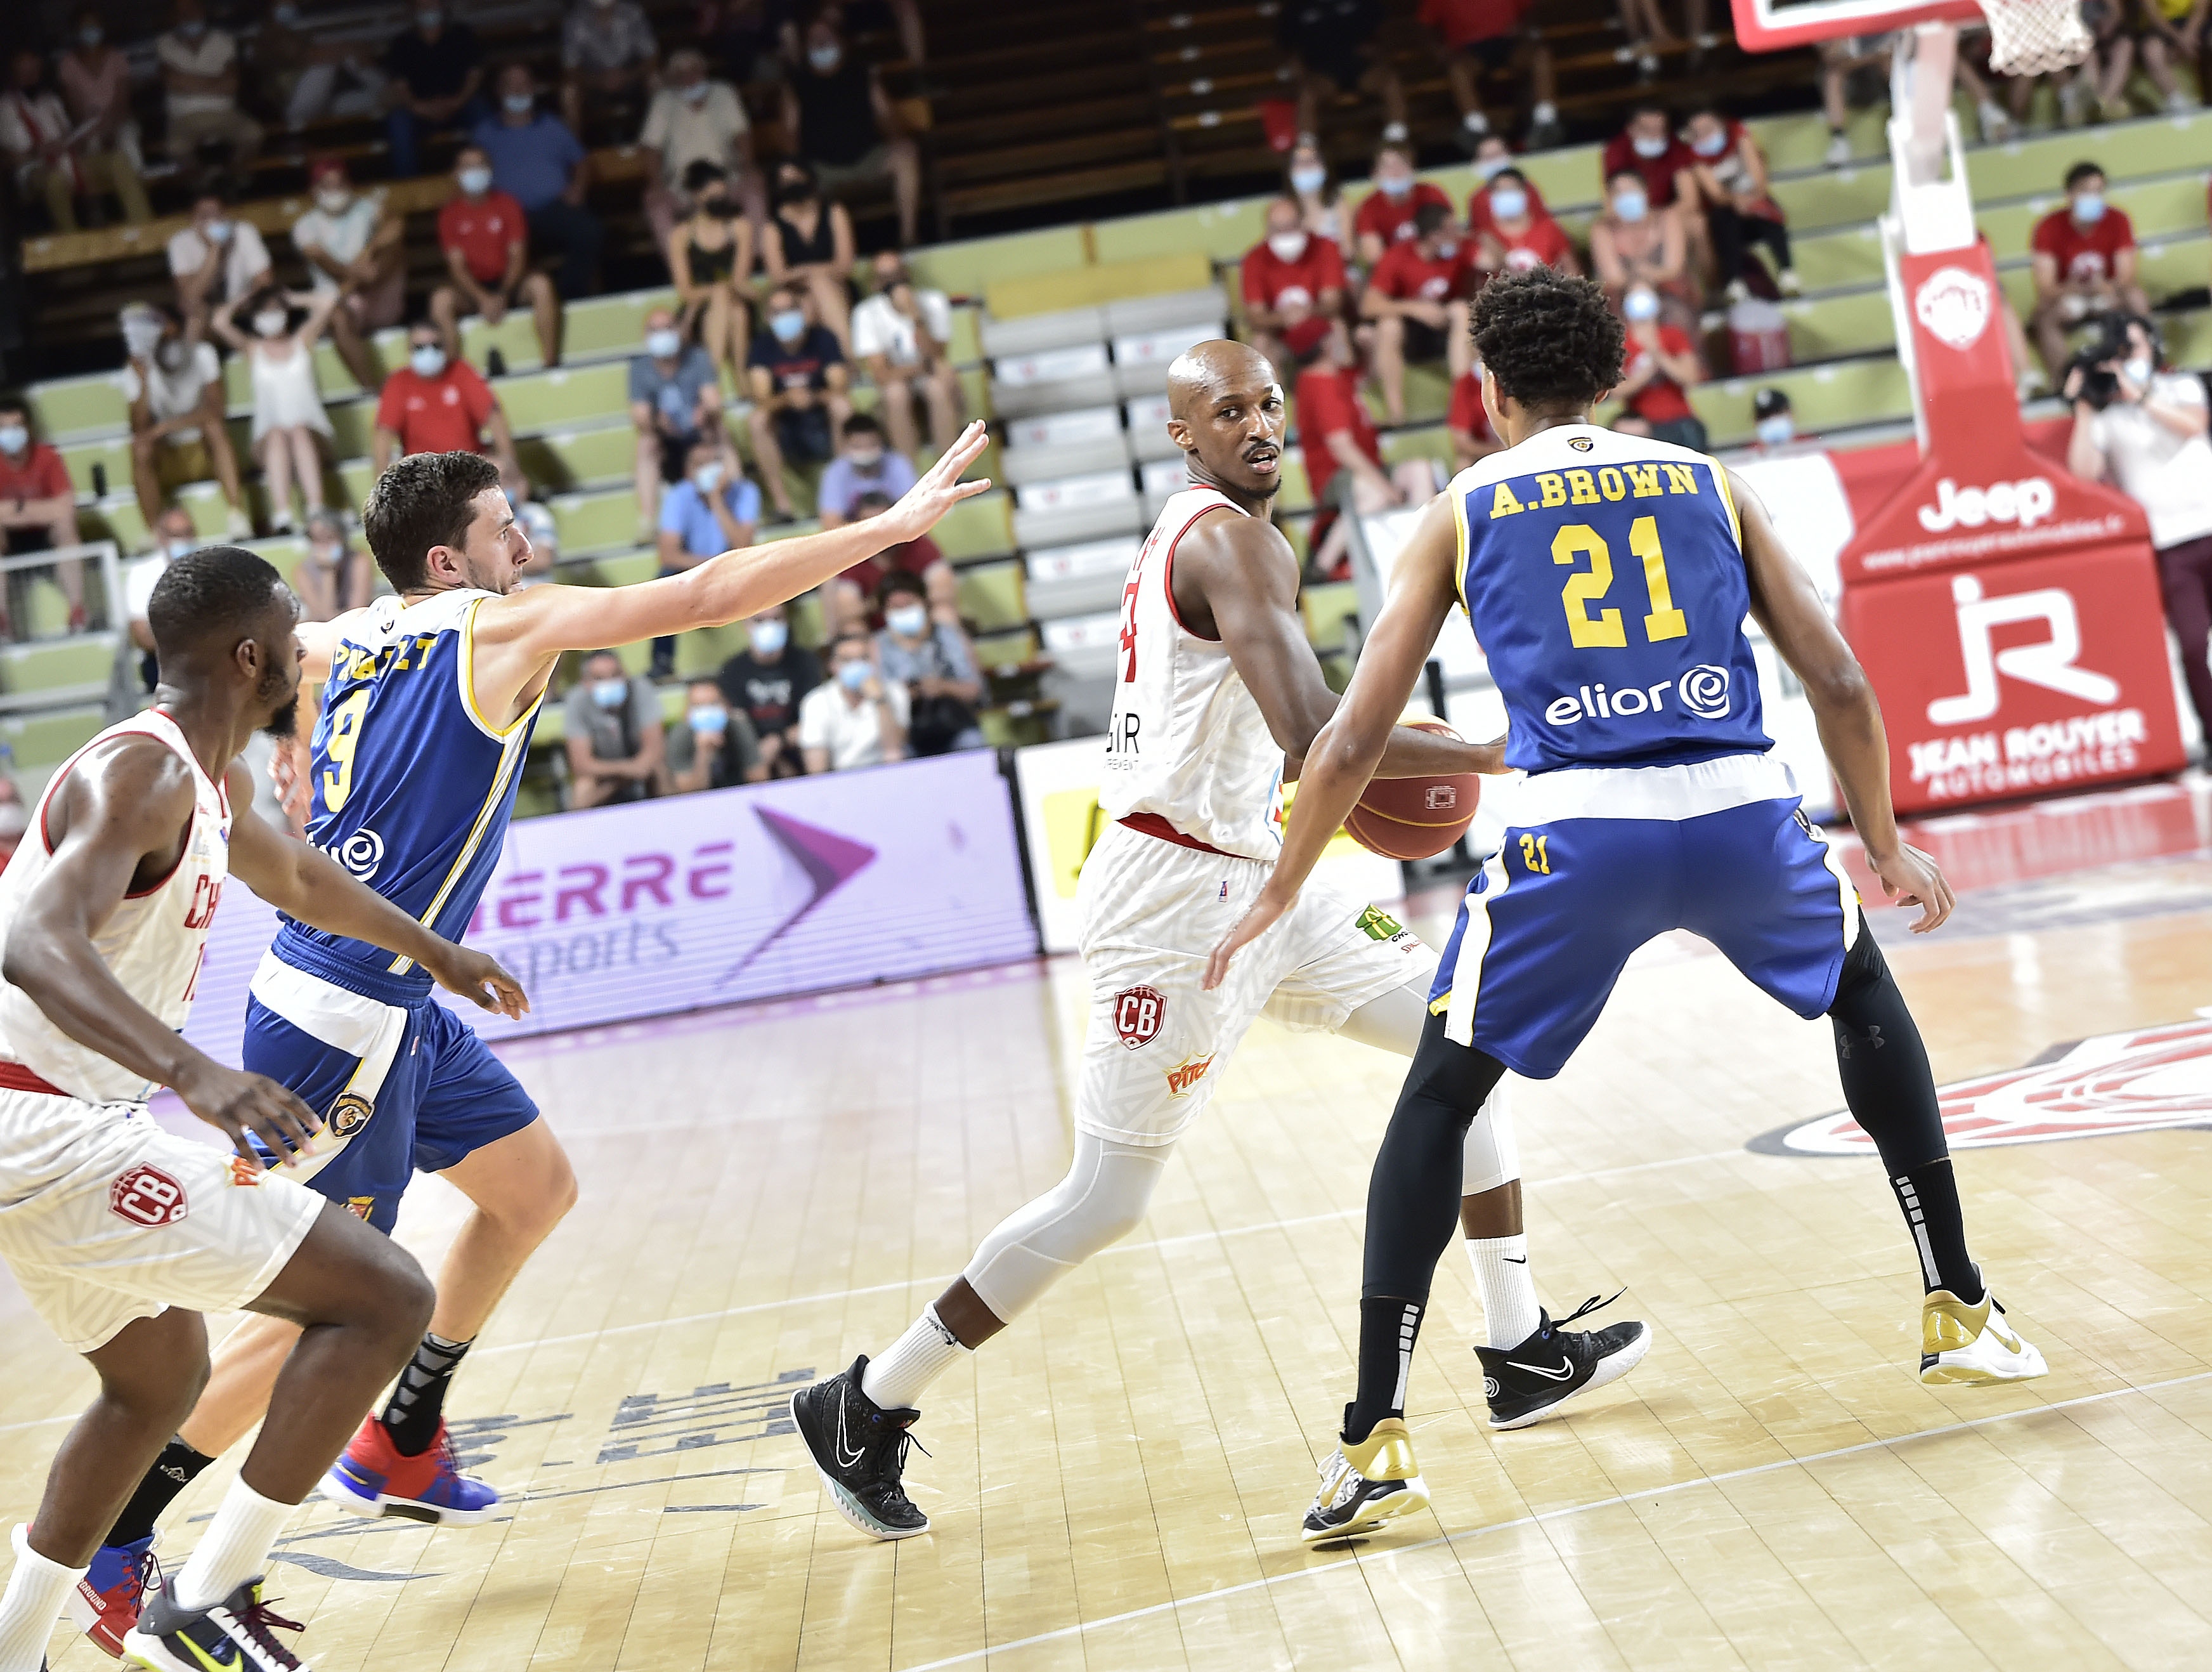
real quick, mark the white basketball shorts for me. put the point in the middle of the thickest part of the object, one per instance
(1157, 1043)
(105, 1218)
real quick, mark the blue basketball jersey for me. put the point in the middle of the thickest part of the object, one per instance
(1604, 576)
(413, 788)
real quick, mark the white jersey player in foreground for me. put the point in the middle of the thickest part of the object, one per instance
(1220, 696)
(122, 1234)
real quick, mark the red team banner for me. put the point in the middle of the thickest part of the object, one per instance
(2007, 610)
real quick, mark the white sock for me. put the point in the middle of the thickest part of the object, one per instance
(36, 1590)
(1475, 122)
(1545, 111)
(895, 1378)
(1509, 1311)
(235, 1549)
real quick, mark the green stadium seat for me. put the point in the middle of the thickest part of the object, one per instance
(965, 267)
(991, 596)
(566, 396)
(596, 521)
(72, 669)
(979, 527)
(42, 739)
(1327, 607)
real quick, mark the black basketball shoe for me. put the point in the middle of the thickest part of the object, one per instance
(859, 1451)
(238, 1631)
(1553, 1365)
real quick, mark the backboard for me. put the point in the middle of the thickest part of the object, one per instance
(1769, 26)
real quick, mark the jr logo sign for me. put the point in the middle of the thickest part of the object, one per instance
(2049, 664)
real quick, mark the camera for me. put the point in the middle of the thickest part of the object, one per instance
(2100, 388)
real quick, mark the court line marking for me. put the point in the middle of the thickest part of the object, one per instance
(1561, 1514)
(1118, 1248)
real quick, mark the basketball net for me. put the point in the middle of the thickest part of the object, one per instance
(2035, 37)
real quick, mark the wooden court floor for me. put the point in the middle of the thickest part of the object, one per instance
(1116, 1482)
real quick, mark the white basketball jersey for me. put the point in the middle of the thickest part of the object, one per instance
(1187, 745)
(151, 943)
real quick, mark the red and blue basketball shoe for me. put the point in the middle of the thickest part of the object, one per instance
(108, 1600)
(372, 1479)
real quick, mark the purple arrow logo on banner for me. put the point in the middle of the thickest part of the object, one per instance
(828, 859)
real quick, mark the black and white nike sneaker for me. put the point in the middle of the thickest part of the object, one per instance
(1553, 1365)
(859, 1452)
(238, 1632)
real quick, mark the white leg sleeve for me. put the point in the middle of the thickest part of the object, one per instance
(1108, 1186)
(1393, 1023)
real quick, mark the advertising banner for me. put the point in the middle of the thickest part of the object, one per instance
(751, 893)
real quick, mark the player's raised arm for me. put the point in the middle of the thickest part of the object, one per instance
(309, 886)
(1351, 745)
(544, 621)
(124, 809)
(1790, 612)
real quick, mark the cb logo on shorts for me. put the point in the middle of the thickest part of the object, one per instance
(1137, 1013)
(147, 1196)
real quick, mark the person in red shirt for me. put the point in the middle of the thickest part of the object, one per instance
(1521, 235)
(2084, 258)
(1293, 286)
(38, 506)
(1478, 35)
(1659, 366)
(486, 238)
(435, 404)
(1386, 217)
(1648, 146)
(1344, 455)
(1468, 423)
(1491, 158)
(1417, 297)
(1725, 185)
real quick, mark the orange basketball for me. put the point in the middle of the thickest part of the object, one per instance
(1415, 818)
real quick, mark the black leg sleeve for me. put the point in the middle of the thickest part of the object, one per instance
(1412, 1195)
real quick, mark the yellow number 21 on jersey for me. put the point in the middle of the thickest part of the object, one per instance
(1604, 630)
(344, 738)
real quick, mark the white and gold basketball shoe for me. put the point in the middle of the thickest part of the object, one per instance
(1363, 1485)
(1972, 1344)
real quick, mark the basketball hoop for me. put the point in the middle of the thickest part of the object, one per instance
(2035, 37)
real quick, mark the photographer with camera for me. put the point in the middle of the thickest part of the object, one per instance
(2142, 428)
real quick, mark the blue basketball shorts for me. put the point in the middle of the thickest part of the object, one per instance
(1601, 860)
(401, 1089)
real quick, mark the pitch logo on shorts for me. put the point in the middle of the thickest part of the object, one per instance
(2149, 1080)
(1187, 1074)
(1137, 1013)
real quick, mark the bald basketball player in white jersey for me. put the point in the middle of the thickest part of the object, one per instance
(1220, 696)
(122, 1234)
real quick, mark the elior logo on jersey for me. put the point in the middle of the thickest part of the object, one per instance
(1703, 692)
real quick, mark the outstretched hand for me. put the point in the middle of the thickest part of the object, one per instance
(1911, 878)
(1257, 920)
(481, 979)
(939, 489)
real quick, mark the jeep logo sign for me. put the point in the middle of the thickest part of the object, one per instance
(2026, 502)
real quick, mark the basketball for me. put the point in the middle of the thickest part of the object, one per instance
(1415, 818)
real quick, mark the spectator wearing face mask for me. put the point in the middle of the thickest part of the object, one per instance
(436, 67)
(715, 747)
(808, 246)
(710, 257)
(1418, 298)
(857, 718)
(1648, 145)
(865, 465)
(675, 399)
(1474, 36)
(1633, 243)
(354, 249)
(767, 682)
(848, 602)
(1468, 421)
(35, 149)
(37, 508)
(486, 238)
(309, 79)
(1493, 157)
(216, 260)
(95, 83)
(903, 335)
(1314, 189)
(1521, 235)
(1386, 215)
(617, 748)
(798, 377)
(2084, 261)
(172, 383)
(1726, 181)
(608, 58)
(1294, 286)
(199, 69)
(290, 423)
(336, 575)
(694, 122)
(1658, 370)
(839, 121)
(932, 659)
(536, 160)
(713, 509)
(1333, 49)
(1774, 425)
(434, 405)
